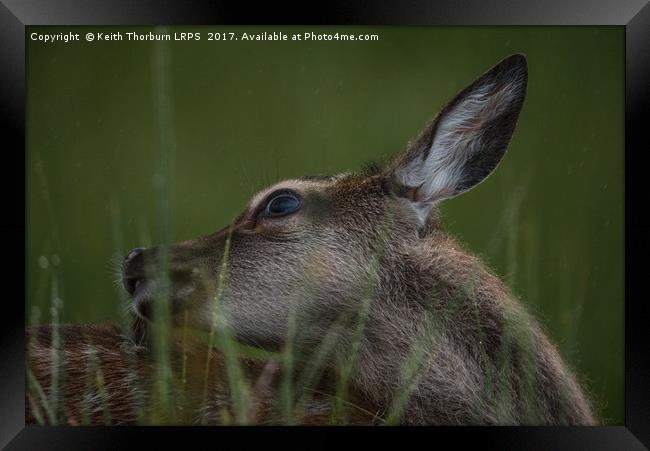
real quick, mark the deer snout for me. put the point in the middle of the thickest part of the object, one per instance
(133, 270)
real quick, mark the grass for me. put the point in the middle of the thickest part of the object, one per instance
(163, 187)
(168, 393)
(54, 353)
(350, 359)
(300, 371)
(221, 329)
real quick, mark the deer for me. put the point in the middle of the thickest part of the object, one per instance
(358, 269)
(106, 378)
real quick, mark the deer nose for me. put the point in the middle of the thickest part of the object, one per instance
(133, 270)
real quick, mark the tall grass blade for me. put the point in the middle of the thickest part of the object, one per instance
(350, 360)
(161, 325)
(55, 363)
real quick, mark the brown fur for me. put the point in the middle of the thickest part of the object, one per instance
(128, 372)
(424, 332)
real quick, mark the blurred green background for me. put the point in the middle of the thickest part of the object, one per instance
(245, 114)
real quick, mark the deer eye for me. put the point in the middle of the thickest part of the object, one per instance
(282, 204)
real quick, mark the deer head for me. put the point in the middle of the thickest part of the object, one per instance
(319, 245)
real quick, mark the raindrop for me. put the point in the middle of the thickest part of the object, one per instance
(42, 262)
(56, 260)
(57, 303)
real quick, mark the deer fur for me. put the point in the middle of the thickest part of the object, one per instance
(417, 318)
(105, 378)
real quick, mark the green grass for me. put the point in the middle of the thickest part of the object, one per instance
(301, 369)
(298, 383)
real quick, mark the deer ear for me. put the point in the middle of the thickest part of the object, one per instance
(467, 139)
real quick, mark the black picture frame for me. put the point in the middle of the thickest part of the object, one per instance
(15, 15)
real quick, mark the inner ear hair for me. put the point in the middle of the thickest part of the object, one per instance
(467, 139)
